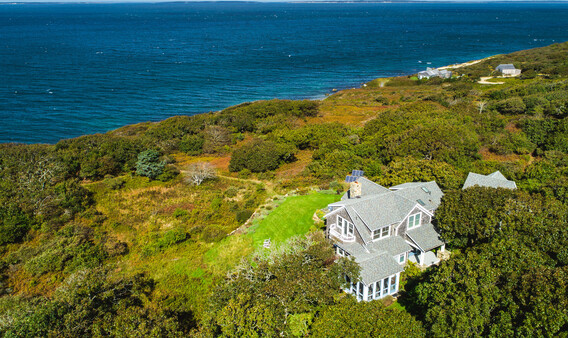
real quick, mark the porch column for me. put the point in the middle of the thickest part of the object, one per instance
(443, 248)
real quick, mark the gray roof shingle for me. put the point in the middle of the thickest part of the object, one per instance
(377, 268)
(394, 245)
(425, 236)
(426, 192)
(493, 180)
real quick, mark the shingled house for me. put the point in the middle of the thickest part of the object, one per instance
(383, 229)
(494, 180)
(508, 70)
(433, 72)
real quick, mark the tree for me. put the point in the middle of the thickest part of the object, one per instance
(349, 318)
(481, 105)
(14, 224)
(199, 172)
(192, 144)
(149, 164)
(259, 297)
(260, 156)
(471, 216)
(215, 138)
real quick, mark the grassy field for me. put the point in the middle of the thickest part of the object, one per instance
(292, 217)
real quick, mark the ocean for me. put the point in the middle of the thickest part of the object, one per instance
(73, 69)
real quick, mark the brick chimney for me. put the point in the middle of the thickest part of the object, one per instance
(355, 190)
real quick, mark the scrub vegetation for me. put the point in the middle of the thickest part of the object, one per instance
(111, 234)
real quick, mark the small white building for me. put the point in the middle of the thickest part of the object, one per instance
(508, 70)
(433, 72)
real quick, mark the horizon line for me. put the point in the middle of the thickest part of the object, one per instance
(4, 2)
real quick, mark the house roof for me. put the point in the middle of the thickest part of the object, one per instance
(427, 194)
(493, 180)
(377, 268)
(391, 206)
(368, 188)
(383, 210)
(505, 66)
(394, 245)
(425, 236)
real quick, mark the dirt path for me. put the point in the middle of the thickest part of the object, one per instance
(483, 80)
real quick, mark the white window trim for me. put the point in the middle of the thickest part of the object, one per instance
(413, 216)
(403, 256)
(381, 236)
(350, 226)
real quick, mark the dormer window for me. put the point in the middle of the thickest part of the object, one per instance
(341, 252)
(381, 233)
(347, 228)
(413, 221)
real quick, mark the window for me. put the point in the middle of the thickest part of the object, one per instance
(340, 252)
(413, 221)
(393, 284)
(347, 229)
(370, 292)
(381, 233)
(401, 259)
(377, 290)
(360, 288)
(385, 286)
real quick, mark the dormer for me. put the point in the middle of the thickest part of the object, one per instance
(381, 233)
(414, 220)
(343, 230)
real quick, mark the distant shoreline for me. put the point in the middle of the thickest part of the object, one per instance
(102, 2)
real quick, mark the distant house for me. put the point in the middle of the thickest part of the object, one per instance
(508, 70)
(383, 229)
(433, 72)
(494, 180)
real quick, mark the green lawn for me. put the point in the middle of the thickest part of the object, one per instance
(292, 217)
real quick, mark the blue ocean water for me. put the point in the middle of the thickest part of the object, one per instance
(73, 69)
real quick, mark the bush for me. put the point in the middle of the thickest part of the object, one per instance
(260, 156)
(169, 173)
(212, 233)
(231, 192)
(14, 224)
(382, 100)
(243, 215)
(114, 183)
(511, 106)
(192, 144)
(149, 164)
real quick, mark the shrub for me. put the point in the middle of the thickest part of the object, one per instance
(231, 192)
(243, 215)
(180, 213)
(149, 164)
(511, 106)
(169, 173)
(192, 144)
(212, 233)
(114, 183)
(382, 100)
(14, 224)
(261, 156)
